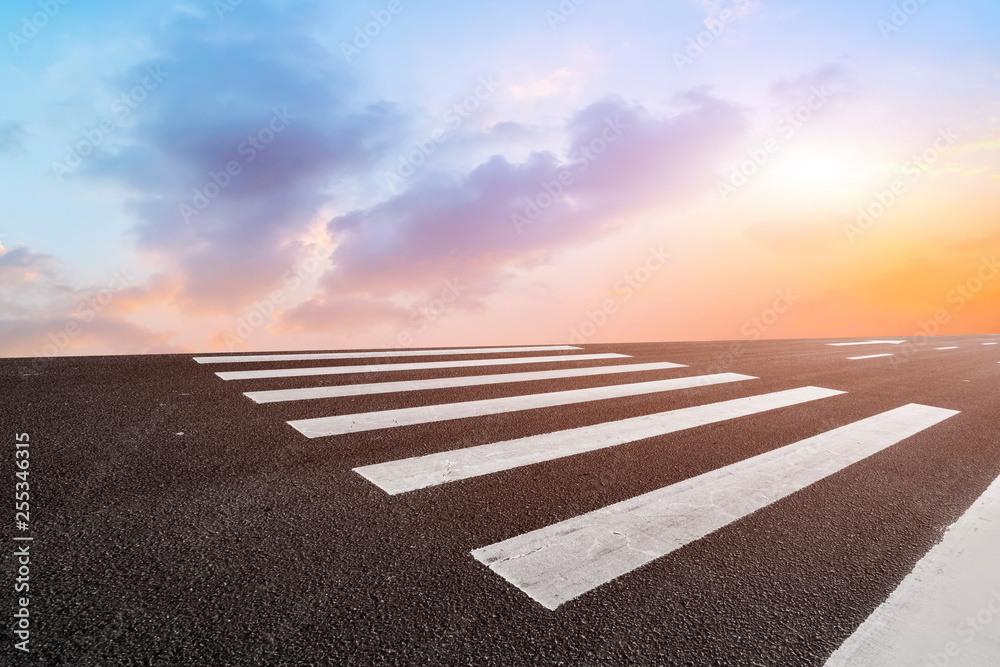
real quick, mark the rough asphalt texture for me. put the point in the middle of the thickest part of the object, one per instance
(177, 522)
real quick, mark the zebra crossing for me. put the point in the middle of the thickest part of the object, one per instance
(561, 562)
(558, 563)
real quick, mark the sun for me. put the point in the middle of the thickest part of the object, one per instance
(813, 169)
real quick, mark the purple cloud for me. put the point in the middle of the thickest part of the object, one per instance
(620, 160)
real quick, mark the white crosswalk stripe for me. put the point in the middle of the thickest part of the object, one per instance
(418, 366)
(377, 354)
(556, 564)
(945, 612)
(368, 421)
(338, 391)
(867, 342)
(417, 473)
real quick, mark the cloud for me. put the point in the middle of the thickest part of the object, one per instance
(57, 336)
(12, 136)
(250, 131)
(714, 9)
(832, 78)
(43, 314)
(559, 82)
(277, 110)
(620, 159)
(20, 266)
(348, 313)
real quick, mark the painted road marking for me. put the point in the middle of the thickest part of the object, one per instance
(369, 421)
(869, 342)
(378, 354)
(953, 347)
(558, 563)
(989, 343)
(945, 612)
(417, 366)
(444, 383)
(423, 471)
(870, 356)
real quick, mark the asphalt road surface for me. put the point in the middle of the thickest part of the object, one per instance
(717, 503)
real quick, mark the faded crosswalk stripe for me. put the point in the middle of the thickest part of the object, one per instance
(305, 393)
(558, 563)
(367, 421)
(423, 471)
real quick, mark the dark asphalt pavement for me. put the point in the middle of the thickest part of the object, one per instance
(176, 522)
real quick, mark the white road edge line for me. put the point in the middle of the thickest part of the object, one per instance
(560, 562)
(377, 354)
(415, 366)
(870, 356)
(305, 393)
(945, 611)
(369, 421)
(420, 472)
(953, 347)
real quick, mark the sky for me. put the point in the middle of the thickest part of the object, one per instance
(216, 175)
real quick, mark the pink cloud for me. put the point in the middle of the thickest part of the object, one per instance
(620, 160)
